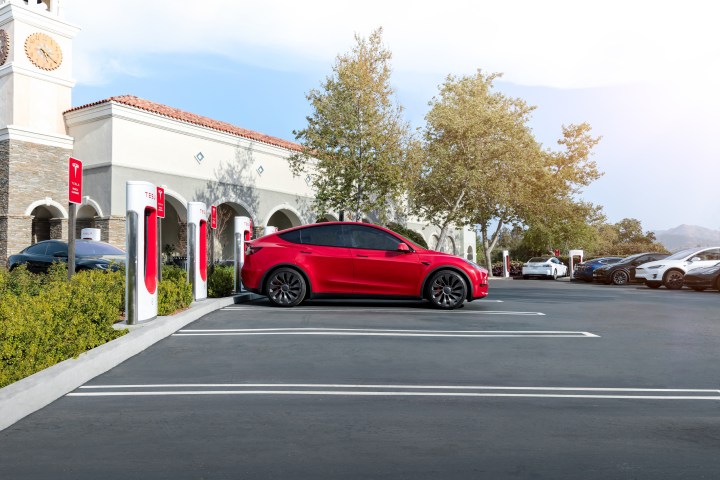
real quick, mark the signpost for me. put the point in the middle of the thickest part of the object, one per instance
(160, 215)
(213, 226)
(75, 174)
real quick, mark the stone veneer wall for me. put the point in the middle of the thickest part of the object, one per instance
(112, 230)
(28, 172)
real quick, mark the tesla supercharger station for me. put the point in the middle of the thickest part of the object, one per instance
(243, 233)
(268, 230)
(573, 254)
(506, 263)
(197, 248)
(141, 247)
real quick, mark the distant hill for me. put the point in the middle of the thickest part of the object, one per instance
(688, 236)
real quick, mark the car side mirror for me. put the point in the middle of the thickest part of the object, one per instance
(402, 247)
(695, 259)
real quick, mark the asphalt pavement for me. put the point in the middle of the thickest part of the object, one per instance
(543, 379)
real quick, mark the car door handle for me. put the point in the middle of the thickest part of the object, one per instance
(362, 256)
(305, 251)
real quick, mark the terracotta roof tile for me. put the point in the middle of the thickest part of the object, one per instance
(183, 116)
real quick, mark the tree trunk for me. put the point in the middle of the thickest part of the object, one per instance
(446, 223)
(489, 243)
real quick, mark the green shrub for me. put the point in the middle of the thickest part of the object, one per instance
(220, 281)
(54, 319)
(173, 272)
(173, 294)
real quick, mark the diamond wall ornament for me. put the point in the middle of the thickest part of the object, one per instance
(308, 179)
(260, 170)
(199, 157)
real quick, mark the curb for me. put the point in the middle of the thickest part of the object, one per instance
(32, 393)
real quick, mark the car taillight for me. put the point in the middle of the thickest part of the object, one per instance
(250, 249)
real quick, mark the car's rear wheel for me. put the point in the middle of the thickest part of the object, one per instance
(286, 287)
(446, 290)
(554, 275)
(620, 277)
(654, 284)
(673, 280)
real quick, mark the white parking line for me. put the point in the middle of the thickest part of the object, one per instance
(384, 332)
(397, 391)
(376, 310)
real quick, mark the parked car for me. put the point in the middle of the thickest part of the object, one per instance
(671, 270)
(548, 267)
(89, 255)
(347, 259)
(702, 278)
(584, 270)
(623, 272)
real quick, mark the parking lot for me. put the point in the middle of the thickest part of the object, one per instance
(543, 379)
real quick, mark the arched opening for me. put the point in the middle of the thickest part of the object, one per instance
(470, 254)
(41, 224)
(84, 218)
(326, 218)
(283, 219)
(225, 231)
(434, 242)
(174, 229)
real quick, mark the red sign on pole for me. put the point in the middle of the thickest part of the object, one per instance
(160, 202)
(213, 217)
(75, 180)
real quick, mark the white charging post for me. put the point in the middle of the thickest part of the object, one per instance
(243, 233)
(573, 254)
(197, 248)
(269, 229)
(506, 263)
(141, 245)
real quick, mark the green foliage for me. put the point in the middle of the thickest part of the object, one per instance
(173, 272)
(408, 233)
(221, 281)
(174, 293)
(53, 319)
(355, 139)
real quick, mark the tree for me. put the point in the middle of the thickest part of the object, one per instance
(355, 139)
(476, 154)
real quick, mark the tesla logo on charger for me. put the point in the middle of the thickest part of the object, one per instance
(74, 180)
(213, 217)
(160, 202)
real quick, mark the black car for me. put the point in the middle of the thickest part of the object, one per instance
(623, 272)
(584, 270)
(89, 255)
(703, 278)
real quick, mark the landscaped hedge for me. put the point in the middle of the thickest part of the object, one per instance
(174, 291)
(220, 281)
(44, 319)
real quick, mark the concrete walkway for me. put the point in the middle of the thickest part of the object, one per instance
(30, 394)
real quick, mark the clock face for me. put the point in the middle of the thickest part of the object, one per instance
(4, 46)
(43, 51)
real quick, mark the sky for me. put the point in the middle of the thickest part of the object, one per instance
(644, 74)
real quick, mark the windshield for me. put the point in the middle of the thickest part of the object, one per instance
(96, 248)
(631, 258)
(681, 254)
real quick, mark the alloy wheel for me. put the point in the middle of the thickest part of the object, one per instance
(286, 288)
(447, 290)
(620, 277)
(673, 280)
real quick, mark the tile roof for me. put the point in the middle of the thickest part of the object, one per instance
(183, 116)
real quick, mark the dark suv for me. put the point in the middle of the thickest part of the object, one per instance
(89, 255)
(623, 272)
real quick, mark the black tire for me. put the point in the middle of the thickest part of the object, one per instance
(698, 289)
(653, 284)
(673, 279)
(554, 274)
(286, 287)
(446, 290)
(620, 277)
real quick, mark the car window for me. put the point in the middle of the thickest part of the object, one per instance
(96, 248)
(538, 260)
(326, 235)
(55, 248)
(712, 254)
(291, 236)
(371, 238)
(37, 249)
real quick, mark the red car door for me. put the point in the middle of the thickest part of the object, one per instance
(379, 268)
(323, 254)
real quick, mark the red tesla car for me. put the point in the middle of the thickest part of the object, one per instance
(358, 260)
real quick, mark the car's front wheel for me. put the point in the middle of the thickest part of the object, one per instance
(673, 280)
(286, 287)
(620, 277)
(446, 290)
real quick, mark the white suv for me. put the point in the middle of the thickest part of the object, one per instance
(670, 270)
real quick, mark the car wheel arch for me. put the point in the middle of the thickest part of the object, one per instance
(306, 277)
(426, 280)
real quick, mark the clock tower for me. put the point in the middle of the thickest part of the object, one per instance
(35, 89)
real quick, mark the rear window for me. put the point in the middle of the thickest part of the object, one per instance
(538, 259)
(326, 235)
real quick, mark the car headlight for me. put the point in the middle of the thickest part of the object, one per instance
(102, 266)
(473, 264)
(655, 267)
